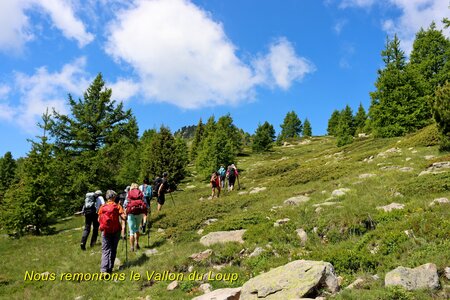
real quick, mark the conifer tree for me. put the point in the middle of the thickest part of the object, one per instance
(360, 119)
(398, 105)
(198, 137)
(333, 123)
(307, 130)
(263, 138)
(291, 127)
(31, 203)
(346, 129)
(7, 172)
(441, 114)
(225, 124)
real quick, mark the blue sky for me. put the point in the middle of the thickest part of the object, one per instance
(175, 61)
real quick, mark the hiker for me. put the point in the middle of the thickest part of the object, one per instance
(215, 184)
(146, 189)
(92, 203)
(232, 174)
(222, 173)
(110, 216)
(135, 209)
(162, 188)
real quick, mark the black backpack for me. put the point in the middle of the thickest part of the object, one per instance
(156, 184)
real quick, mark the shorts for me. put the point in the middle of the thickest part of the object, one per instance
(161, 199)
(134, 221)
(231, 180)
(214, 184)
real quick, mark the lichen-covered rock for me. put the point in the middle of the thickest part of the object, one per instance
(422, 277)
(297, 279)
(296, 200)
(221, 294)
(222, 237)
(391, 207)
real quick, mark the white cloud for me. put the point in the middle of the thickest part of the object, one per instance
(339, 26)
(182, 56)
(281, 66)
(16, 28)
(44, 90)
(4, 91)
(123, 89)
(414, 15)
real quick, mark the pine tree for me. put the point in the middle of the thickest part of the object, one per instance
(333, 123)
(31, 203)
(360, 119)
(7, 172)
(217, 149)
(291, 127)
(441, 114)
(198, 137)
(263, 138)
(398, 105)
(346, 128)
(225, 124)
(307, 130)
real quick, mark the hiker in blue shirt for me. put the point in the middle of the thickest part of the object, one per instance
(222, 174)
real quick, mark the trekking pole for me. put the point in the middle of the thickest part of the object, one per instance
(239, 185)
(172, 198)
(126, 244)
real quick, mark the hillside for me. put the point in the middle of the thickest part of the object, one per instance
(346, 227)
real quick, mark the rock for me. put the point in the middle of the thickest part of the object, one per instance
(200, 231)
(79, 298)
(305, 142)
(340, 192)
(191, 187)
(422, 277)
(221, 294)
(223, 237)
(256, 252)
(302, 235)
(355, 284)
(436, 168)
(210, 221)
(201, 199)
(296, 200)
(409, 233)
(318, 209)
(406, 169)
(257, 190)
(408, 159)
(367, 175)
(160, 230)
(210, 198)
(391, 207)
(150, 252)
(281, 222)
(201, 255)
(117, 263)
(173, 285)
(148, 297)
(368, 159)
(447, 272)
(397, 194)
(325, 204)
(205, 287)
(389, 151)
(439, 201)
(362, 135)
(390, 168)
(274, 208)
(190, 269)
(428, 157)
(242, 193)
(294, 280)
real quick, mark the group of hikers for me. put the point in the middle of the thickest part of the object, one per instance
(222, 176)
(131, 207)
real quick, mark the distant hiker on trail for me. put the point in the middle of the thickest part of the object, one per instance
(92, 203)
(146, 189)
(110, 216)
(232, 174)
(135, 209)
(162, 188)
(222, 174)
(215, 184)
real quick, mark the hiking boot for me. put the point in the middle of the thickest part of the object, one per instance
(137, 247)
(83, 247)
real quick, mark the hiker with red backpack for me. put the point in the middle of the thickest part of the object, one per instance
(136, 209)
(112, 218)
(215, 184)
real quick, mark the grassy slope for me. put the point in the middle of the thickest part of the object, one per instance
(346, 233)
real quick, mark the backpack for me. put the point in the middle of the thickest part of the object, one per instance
(231, 173)
(109, 219)
(222, 172)
(89, 203)
(156, 185)
(136, 207)
(147, 190)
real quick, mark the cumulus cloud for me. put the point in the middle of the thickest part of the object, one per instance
(415, 14)
(339, 26)
(124, 89)
(44, 90)
(182, 56)
(281, 66)
(17, 29)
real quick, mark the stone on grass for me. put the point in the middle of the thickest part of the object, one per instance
(281, 222)
(389, 151)
(391, 207)
(210, 221)
(340, 192)
(297, 279)
(201, 255)
(296, 200)
(406, 169)
(366, 175)
(439, 201)
(428, 157)
(200, 231)
(222, 237)
(150, 252)
(355, 284)
(325, 204)
(447, 272)
(173, 285)
(205, 287)
(242, 193)
(257, 190)
(436, 168)
(302, 235)
(221, 294)
(258, 251)
(422, 277)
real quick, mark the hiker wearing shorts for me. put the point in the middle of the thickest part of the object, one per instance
(110, 235)
(215, 184)
(162, 190)
(232, 174)
(222, 174)
(134, 218)
(146, 189)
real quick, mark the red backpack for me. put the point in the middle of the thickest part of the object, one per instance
(109, 219)
(136, 205)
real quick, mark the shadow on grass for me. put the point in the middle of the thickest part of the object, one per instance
(135, 262)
